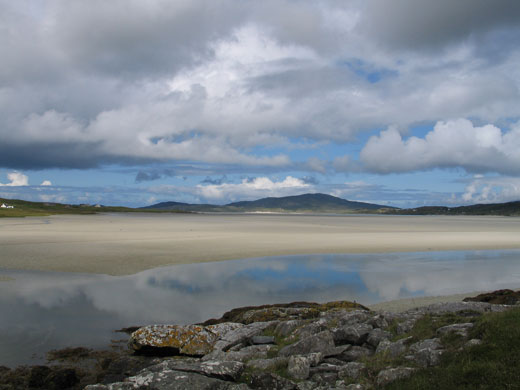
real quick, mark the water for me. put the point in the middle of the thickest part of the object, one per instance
(40, 311)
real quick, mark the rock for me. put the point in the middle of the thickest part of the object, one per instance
(460, 329)
(378, 321)
(285, 328)
(326, 379)
(405, 326)
(376, 336)
(426, 344)
(262, 340)
(393, 349)
(389, 375)
(162, 377)
(337, 350)
(325, 367)
(266, 380)
(354, 317)
(427, 357)
(37, 376)
(351, 334)
(498, 297)
(63, 378)
(354, 353)
(351, 370)
(473, 342)
(355, 386)
(321, 342)
(226, 370)
(192, 340)
(241, 334)
(267, 364)
(455, 307)
(298, 367)
(246, 353)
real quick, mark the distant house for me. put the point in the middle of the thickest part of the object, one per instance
(4, 206)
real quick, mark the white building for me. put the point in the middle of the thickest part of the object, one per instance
(4, 206)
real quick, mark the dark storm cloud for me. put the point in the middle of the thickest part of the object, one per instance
(427, 24)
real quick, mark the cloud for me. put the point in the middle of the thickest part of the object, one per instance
(46, 183)
(491, 190)
(16, 179)
(451, 144)
(253, 189)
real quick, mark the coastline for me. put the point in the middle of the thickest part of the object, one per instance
(126, 244)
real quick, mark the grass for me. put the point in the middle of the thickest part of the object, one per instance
(492, 365)
(24, 208)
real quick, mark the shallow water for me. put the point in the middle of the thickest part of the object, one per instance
(40, 311)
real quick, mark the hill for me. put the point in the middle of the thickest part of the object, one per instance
(506, 209)
(299, 203)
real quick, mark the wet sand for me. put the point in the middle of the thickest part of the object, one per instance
(119, 244)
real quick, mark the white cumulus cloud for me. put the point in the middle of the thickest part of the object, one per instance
(454, 143)
(252, 189)
(46, 183)
(16, 179)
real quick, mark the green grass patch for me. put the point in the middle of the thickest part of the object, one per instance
(492, 365)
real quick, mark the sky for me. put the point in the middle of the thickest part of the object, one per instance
(133, 102)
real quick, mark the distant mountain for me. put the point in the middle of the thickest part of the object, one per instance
(506, 209)
(298, 203)
(305, 202)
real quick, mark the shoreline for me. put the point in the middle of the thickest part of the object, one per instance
(127, 244)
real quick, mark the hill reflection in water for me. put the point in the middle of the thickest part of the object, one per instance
(44, 310)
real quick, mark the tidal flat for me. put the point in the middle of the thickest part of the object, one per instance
(124, 244)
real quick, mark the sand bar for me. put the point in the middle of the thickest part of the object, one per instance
(119, 244)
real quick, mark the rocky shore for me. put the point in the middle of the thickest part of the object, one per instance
(337, 345)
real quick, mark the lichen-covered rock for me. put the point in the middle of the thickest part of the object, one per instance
(242, 355)
(460, 329)
(321, 342)
(195, 340)
(389, 375)
(393, 349)
(267, 380)
(298, 367)
(267, 364)
(351, 370)
(285, 328)
(351, 334)
(226, 370)
(240, 334)
(376, 336)
(473, 342)
(354, 353)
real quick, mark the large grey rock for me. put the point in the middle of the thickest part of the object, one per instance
(426, 344)
(161, 378)
(355, 334)
(259, 340)
(242, 355)
(241, 334)
(376, 336)
(354, 317)
(354, 353)
(460, 329)
(351, 370)
(389, 375)
(427, 357)
(196, 340)
(266, 380)
(321, 342)
(267, 364)
(393, 349)
(226, 370)
(298, 367)
(285, 328)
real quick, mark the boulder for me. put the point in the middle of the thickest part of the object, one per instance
(267, 364)
(351, 334)
(267, 380)
(391, 374)
(195, 340)
(298, 367)
(242, 355)
(354, 353)
(351, 370)
(393, 349)
(376, 336)
(262, 340)
(240, 335)
(460, 329)
(226, 370)
(321, 342)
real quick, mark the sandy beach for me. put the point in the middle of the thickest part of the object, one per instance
(119, 244)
